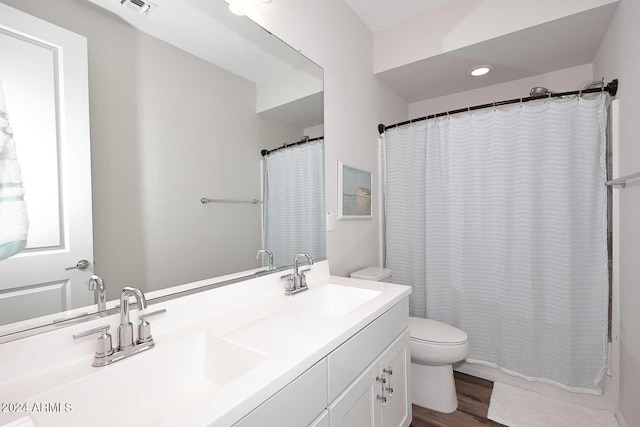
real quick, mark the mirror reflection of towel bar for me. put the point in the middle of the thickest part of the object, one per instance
(205, 200)
(622, 181)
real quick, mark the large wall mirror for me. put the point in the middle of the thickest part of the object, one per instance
(165, 169)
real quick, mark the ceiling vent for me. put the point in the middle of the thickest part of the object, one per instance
(141, 6)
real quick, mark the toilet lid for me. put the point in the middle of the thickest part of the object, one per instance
(435, 332)
(372, 273)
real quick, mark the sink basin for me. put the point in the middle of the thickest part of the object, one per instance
(152, 386)
(334, 300)
(300, 313)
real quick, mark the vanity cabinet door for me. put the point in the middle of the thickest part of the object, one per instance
(358, 405)
(361, 350)
(368, 401)
(395, 364)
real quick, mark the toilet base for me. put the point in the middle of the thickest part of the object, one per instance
(434, 388)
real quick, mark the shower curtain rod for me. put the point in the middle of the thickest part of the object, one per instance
(302, 141)
(611, 88)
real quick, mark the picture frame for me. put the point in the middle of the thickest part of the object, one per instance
(355, 193)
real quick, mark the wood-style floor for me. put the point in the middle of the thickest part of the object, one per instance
(473, 404)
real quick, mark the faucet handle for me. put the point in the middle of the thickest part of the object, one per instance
(104, 347)
(144, 328)
(99, 329)
(289, 285)
(303, 278)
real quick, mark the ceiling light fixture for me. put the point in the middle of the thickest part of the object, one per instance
(480, 70)
(235, 11)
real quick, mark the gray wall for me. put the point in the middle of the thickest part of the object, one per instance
(166, 129)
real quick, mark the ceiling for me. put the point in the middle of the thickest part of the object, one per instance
(382, 14)
(552, 46)
(300, 114)
(206, 29)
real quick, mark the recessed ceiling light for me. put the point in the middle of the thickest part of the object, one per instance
(266, 1)
(235, 11)
(480, 70)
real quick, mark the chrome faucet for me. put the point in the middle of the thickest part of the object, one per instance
(297, 281)
(267, 252)
(125, 330)
(97, 285)
(105, 353)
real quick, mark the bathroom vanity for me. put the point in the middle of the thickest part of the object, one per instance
(243, 354)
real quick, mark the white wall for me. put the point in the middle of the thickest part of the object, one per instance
(355, 102)
(463, 23)
(560, 81)
(162, 137)
(618, 58)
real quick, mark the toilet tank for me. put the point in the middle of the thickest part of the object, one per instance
(377, 274)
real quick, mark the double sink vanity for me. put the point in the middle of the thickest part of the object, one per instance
(243, 355)
(164, 204)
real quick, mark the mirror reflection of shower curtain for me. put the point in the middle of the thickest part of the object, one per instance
(498, 221)
(294, 202)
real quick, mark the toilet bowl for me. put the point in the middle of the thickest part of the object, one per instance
(435, 347)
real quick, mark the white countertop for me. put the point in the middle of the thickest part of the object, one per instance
(254, 314)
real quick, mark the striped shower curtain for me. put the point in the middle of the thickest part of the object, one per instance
(294, 202)
(498, 221)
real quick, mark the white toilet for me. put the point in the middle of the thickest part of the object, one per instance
(435, 347)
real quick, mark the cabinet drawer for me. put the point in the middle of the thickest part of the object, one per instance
(351, 358)
(298, 404)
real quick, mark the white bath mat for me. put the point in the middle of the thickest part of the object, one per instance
(515, 407)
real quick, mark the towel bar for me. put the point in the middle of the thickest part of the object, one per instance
(206, 200)
(622, 181)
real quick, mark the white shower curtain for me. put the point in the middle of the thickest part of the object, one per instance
(498, 221)
(294, 202)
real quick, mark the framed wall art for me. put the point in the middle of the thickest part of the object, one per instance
(355, 188)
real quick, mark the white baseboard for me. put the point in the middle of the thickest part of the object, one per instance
(620, 418)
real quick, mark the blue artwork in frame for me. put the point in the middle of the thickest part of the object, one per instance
(354, 193)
